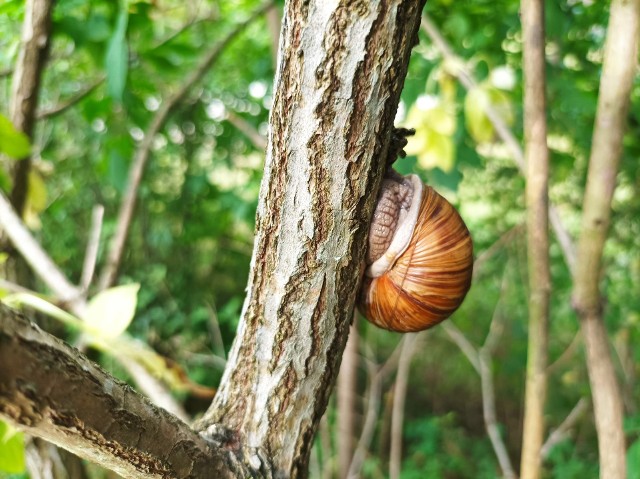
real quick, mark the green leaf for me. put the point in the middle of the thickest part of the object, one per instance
(633, 460)
(478, 124)
(11, 449)
(117, 58)
(110, 312)
(13, 143)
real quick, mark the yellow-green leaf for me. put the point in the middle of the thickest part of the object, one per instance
(110, 312)
(11, 449)
(476, 103)
(13, 143)
(439, 152)
(37, 194)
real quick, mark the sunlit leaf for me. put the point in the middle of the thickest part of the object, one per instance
(13, 143)
(117, 58)
(11, 449)
(476, 103)
(36, 200)
(110, 312)
(633, 460)
(18, 300)
(438, 153)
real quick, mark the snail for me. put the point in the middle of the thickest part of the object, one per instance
(420, 256)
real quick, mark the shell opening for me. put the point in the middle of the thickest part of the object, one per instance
(402, 235)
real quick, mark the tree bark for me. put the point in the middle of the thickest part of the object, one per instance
(59, 395)
(619, 66)
(537, 162)
(25, 86)
(341, 69)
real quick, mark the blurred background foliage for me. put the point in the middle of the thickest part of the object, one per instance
(191, 240)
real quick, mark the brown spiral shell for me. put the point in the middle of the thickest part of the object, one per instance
(430, 278)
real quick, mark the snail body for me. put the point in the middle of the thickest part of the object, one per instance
(420, 258)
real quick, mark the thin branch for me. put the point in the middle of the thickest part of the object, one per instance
(371, 418)
(503, 131)
(69, 102)
(116, 247)
(409, 346)
(566, 354)
(93, 243)
(248, 130)
(490, 419)
(458, 338)
(562, 431)
(36, 257)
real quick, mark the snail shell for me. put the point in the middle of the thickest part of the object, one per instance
(420, 258)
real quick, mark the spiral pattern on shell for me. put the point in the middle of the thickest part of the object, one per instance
(430, 278)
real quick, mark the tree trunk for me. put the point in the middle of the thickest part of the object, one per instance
(537, 162)
(618, 70)
(341, 70)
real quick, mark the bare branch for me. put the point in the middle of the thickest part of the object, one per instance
(116, 247)
(247, 129)
(37, 258)
(68, 103)
(91, 253)
(503, 131)
(561, 432)
(409, 346)
(371, 417)
(59, 395)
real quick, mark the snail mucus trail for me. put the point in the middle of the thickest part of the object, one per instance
(420, 253)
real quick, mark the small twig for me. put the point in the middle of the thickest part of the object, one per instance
(125, 215)
(409, 346)
(65, 105)
(496, 247)
(371, 417)
(93, 243)
(463, 343)
(503, 131)
(214, 330)
(488, 389)
(35, 256)
(247, 129)
(490, 419)
(562, 431)
(566, 354)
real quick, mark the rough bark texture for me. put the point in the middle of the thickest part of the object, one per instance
(537, 160)
(50, 390)
(26, 85)
(340, 73)
(620, 60)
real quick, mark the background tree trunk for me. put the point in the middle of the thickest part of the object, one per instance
(341, 70)
(537, 162)
(619, 67)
